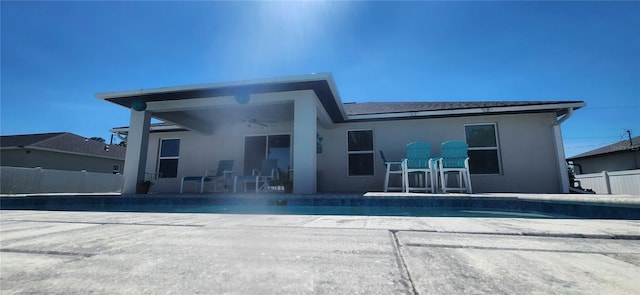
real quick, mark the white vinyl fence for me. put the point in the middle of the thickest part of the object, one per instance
(16, 180)
(616, 183)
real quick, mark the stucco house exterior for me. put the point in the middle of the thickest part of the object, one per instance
(620, 156)
(60, 151)
(331, 146)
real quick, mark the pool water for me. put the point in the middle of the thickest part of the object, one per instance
(432, 206)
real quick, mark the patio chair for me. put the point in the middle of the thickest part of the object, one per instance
(221, 176)
(267, 173)
(394, 168)
(455, 159)
(418, 162)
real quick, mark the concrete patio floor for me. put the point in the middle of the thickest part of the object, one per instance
(157, 253)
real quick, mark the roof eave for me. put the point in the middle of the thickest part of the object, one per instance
(553, 107)
(288, 79)
(163, 128)
(327, 93)
(616, 152)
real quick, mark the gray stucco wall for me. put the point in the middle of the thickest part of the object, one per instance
(529, 161)
(31, 158)
(527, 151)
(613, 162)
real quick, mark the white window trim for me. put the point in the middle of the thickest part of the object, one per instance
(497, 148)
(160, 157)
(373, 142)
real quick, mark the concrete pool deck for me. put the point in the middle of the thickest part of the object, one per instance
(57, 252)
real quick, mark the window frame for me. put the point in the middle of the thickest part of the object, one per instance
(364, 152)
(115, 168)
(160, 157)
(289, 169)
(496, 148)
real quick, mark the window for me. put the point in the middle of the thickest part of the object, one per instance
(484, 156)
(168, 159)
(360, 152)
(258, 148)
(116, 168)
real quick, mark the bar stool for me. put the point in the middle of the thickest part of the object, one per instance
(392, 168)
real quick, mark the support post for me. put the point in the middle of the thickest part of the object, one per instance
(304, 145)
(135, 160)
(562, 162)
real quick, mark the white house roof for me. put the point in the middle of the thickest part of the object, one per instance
(322, 84)
(326, 91)
(397, 110)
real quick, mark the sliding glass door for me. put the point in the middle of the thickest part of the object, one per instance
(258, 148)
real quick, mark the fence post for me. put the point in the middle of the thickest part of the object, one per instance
(83, 179)
(607, 183)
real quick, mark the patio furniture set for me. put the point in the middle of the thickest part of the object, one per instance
(421, 171)
(221, 180)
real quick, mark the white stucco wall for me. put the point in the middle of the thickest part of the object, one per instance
(527, 151)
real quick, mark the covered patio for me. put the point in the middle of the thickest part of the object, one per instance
(293, 106)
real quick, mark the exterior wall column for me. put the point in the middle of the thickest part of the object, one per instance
(135, 160)
(562, 162)
(304, 145)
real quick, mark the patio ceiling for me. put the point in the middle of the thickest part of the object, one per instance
(207, 119)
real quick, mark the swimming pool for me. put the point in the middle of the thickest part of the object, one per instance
(435, 206)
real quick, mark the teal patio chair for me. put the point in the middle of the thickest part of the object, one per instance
(267, 173)
(225, 169)
(455, 159)
(418, 162)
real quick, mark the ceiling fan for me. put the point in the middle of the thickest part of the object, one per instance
(254, 121)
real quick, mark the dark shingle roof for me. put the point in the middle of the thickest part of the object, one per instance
(25, 139)
(64, 142)
(369, 108)
(622, 146)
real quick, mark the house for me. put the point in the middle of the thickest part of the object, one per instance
(623, 155)
(330, 146)
(60, 151)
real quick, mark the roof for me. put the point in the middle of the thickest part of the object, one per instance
(153, 127)
(618, 147)
(63, 142)
(392, 110)
(403, 107)
(324, 87)
(321, 83)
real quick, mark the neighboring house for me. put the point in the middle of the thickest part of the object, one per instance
(329, 146)
(623, 155)
(61, 151)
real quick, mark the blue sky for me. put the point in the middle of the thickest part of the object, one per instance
(57, 55)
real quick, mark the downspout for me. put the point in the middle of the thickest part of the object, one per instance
(562, 163)
(566, 116)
